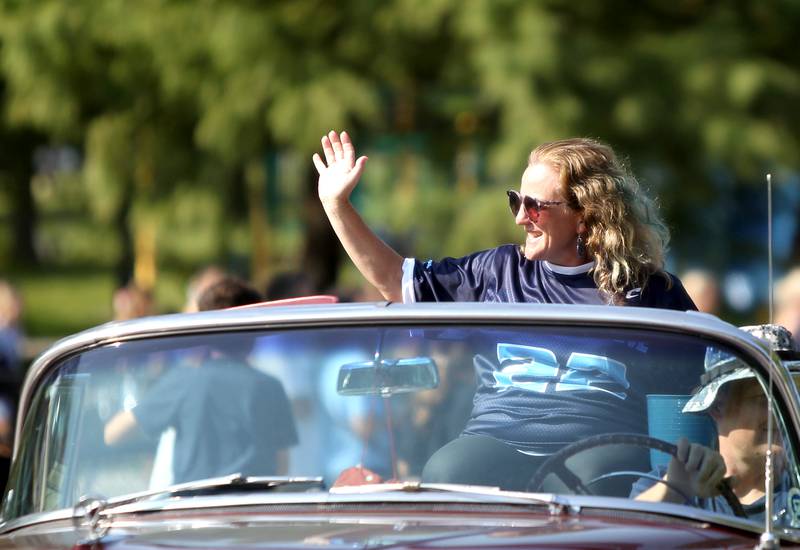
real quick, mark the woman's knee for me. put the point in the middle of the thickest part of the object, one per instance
(475, 460)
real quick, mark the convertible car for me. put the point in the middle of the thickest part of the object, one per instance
(412, 426)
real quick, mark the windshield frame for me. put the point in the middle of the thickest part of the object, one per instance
(339, 315)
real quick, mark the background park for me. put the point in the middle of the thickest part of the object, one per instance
(141, 141)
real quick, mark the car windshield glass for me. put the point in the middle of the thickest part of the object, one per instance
(523, 408)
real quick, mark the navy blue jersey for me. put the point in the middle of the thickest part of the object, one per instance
(553, 389)
(542, 390)
(503, 274)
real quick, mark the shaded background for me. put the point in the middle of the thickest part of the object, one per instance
(143, 140)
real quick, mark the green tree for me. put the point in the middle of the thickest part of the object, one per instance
(688, 89)
(168, 99)
(17, 148)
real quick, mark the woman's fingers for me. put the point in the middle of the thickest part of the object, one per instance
(338, 148)
(337, 145)
(359, 167)
(339, 171)
(318, 163)
(349, 150)
(327, 148)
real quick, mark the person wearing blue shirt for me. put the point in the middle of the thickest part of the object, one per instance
(738, 405)
(227, 416)
(591, 236)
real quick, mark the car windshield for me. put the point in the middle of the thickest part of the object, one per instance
(496, 406)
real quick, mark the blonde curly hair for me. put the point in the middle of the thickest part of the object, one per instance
(625, 236)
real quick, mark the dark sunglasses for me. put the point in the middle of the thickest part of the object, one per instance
(532, 206)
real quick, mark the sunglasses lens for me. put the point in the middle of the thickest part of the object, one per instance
(514, 201)
(531, 207)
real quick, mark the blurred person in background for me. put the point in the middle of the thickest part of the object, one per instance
(192, 413)
(288, 284)
(132, 302)
(128, 302)
(210, 289)
(299, 377)
(702, 287)
(787, 301)
(10, 332)
(10, 371)
(227, 292)
(7, 419)
(200, 281)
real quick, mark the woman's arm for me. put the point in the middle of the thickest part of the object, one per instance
(338, 176)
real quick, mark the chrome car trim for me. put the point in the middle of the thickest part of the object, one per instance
(567, 505)
(36, 519)
(88, 514)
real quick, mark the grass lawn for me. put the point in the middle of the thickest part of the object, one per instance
(60, 301)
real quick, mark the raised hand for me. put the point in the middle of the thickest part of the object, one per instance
(338, 176)
(340, 172)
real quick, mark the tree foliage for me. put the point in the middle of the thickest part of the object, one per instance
(167, 95)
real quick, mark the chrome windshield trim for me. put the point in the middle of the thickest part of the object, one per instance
(29, 520)
(204, 502)
(573, 505)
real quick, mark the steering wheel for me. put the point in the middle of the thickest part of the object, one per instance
(556, 464)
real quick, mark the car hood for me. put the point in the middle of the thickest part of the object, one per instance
(570, 534)
(394, 528)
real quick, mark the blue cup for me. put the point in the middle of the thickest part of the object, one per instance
(665, 420)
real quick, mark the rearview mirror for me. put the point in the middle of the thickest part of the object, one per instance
(387, 376)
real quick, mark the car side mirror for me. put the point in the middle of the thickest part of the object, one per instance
(388, 376)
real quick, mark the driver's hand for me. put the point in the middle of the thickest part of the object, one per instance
(696, 470)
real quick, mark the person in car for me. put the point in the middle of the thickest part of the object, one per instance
(591, 237)
(738, 405)
(228, 417)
